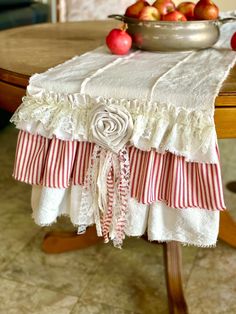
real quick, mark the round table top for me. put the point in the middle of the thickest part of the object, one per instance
(33, 49)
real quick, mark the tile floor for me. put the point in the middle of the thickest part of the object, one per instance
(101, 279)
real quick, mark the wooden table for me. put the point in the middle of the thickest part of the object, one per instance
(34, 49)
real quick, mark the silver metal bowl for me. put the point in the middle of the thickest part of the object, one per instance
(173, 36)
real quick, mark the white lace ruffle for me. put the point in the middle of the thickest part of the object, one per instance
(189, 133)
(192, 226)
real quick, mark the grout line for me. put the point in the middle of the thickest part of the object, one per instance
(111, 306)
(89, 281)
(38, 287)
(71, 311)
(11, 260)
(41, 286)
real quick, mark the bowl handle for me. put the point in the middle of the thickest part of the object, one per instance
(116, 17)
(227, 20)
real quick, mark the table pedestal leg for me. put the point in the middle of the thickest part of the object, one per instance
(173, 272)
(227, 232)
(60, 242)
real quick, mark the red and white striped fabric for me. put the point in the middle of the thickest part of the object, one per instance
(153, 176)
(107, 219)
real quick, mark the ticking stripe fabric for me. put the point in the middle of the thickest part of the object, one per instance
(153, 176)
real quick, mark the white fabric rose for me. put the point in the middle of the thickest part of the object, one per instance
(111, 127)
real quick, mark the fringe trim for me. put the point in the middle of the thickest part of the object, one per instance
(195, 244)
(190, 243)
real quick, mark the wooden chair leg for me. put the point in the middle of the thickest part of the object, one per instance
(173, 273)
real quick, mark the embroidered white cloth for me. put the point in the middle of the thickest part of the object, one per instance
(152, 101)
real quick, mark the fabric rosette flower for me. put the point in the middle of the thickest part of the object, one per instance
(111, 127)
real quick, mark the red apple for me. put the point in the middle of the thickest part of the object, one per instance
(118, 41)
(164, 6)
(206, 10)
(174, 16)
(187, 9)
(233, 42)
(149, 13)
(135, 9)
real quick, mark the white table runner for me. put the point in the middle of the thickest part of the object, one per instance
(158, 101)
(170, 97)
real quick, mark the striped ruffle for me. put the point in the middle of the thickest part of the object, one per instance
(153, 176)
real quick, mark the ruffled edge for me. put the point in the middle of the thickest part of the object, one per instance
(189, 133)
(194, 226)
(55, 163)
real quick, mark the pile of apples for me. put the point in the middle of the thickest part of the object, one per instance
(166, 10)
(119, 41)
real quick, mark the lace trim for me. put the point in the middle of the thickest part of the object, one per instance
(196, 244)
(105, 194)
(89, 210)
(160, 126)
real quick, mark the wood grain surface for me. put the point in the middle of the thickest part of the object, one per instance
(33, 49)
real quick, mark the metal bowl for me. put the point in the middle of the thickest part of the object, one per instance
(172, 36)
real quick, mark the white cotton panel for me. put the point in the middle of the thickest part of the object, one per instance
(192, 226)
(47, 204)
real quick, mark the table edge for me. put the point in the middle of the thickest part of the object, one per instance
(224, 99)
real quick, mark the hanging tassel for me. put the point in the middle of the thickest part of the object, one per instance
(107, 220)
(106, 193)
(89, 210)
(123, 196)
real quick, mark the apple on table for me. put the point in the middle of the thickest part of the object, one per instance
(118, 41)
(233, 42)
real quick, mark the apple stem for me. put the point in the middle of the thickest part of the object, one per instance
(124, 27)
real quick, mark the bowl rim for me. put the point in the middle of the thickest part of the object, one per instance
(132, 20)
